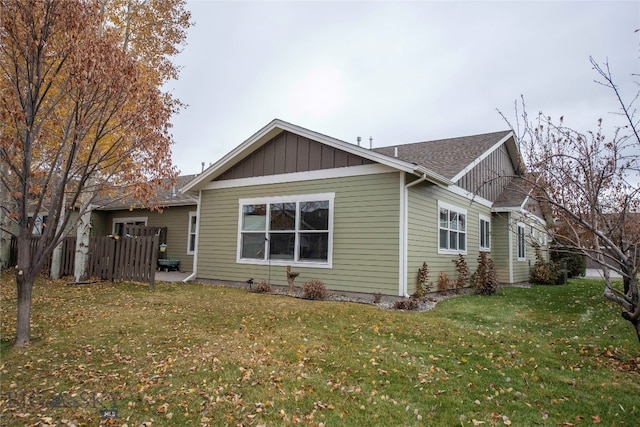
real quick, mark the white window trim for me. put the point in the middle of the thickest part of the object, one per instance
(459, 210)
(127, 220)
(192, 214)
(287, 199)
(488, 221)
(521, 226)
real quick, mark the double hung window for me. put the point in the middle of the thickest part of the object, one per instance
(452, 229)
(286, 230)
(193, 222)
(485, 233)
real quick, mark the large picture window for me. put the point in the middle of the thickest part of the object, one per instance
(452, 229)
(485, 233)
(286, 230)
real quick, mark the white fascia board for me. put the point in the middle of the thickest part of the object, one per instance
(349, 148)
(431, 176)
(521, 210)
(276, 127)
(527, 212)
(469, 195)
(268, 131)
(300, 176)
(484, 155)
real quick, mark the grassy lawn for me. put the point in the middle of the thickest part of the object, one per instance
(191, 354)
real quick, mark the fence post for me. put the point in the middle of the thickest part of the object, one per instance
(154, 261)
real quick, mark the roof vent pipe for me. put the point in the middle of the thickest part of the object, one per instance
(202, 167)
(395, 152)
(359, 139)
(370, 142)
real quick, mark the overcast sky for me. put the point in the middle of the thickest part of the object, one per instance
(399, 72)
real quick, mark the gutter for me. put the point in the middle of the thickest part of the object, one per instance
(404, 232)
(195, 252)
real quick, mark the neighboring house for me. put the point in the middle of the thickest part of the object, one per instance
(361, 220)
(177, 212)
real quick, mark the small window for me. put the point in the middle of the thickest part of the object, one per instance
(485, 233)
(191, 246)
(39, 224)
(452, 229)
(522, 255)
(119, 223)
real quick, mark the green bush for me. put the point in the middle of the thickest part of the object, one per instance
(576, 263)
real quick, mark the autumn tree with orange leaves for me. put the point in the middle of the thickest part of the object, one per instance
(588, 182)
(82, 115)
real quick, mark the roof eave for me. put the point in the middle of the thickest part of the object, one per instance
(277, 126)
(513, 156)
(432, 176)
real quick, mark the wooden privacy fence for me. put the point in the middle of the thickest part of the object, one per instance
(132, 257)
(125, 258)
(68, 254)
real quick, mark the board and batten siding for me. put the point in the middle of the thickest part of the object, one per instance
(489, 177)
(422, 239)
(288, 153)
(365, 234)
(175, 218)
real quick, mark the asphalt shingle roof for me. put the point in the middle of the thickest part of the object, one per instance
(446, 157)
(164, 197)
(514, 194)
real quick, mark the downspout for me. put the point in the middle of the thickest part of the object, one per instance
(404, 232)
(510, 234)
(195, 252)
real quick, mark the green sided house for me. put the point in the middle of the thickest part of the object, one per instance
(177, 214)
(361, 220)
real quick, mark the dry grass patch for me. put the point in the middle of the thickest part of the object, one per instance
(191, 354)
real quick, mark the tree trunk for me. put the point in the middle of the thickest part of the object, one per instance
(55, 271)
(5, 237)
(82, 248)
(24, 286)
(5, 244)
(56, 262)
(23, 326)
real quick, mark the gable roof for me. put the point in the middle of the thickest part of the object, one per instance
(452, 156)
(164, 197)
(278, 126)
(513, 196)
